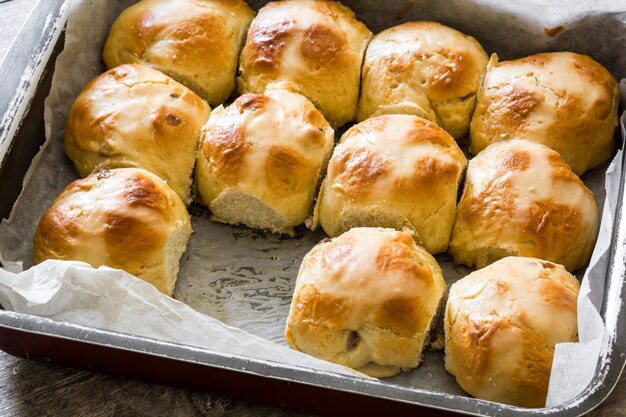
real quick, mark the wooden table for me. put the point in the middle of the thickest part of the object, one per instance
(29, 388)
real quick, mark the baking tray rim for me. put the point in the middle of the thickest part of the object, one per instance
(289, 373)
(52, 15)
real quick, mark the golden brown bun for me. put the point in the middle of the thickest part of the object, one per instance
(396, 171)
(564, 100)
(134, 115)
(426, 69)
(317, 45)
(521, 199)
(125, 218)
(366, 299)
(501, 325)
(261, 158)
(196, 42)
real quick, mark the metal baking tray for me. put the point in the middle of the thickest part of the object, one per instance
(27, 70)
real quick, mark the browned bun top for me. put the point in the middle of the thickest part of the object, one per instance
(261, 158)
(398, 171)
(133, 115)
(426, 69)
(521, 199)
(564, 100)
(196, 42)
(501, 325)
(125, 218)
(317, 45)
(366, 299)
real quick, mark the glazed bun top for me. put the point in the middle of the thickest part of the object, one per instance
(426, 69)
(521, 199)
(134, 115)
(196, 42)
(317, 45)
(502, 324)
(563, 100)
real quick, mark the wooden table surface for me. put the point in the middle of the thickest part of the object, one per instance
(29, 388)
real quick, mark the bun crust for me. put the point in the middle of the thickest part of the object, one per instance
(366, 299)
(261, 159)
(563, 100)
(521, 199)
(196, 42)
(124, 218)
(317, 45)
(425, 69)
(135, 116)
(396, 171)
(501, 325)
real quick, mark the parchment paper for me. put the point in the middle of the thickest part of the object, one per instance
(241, 280)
